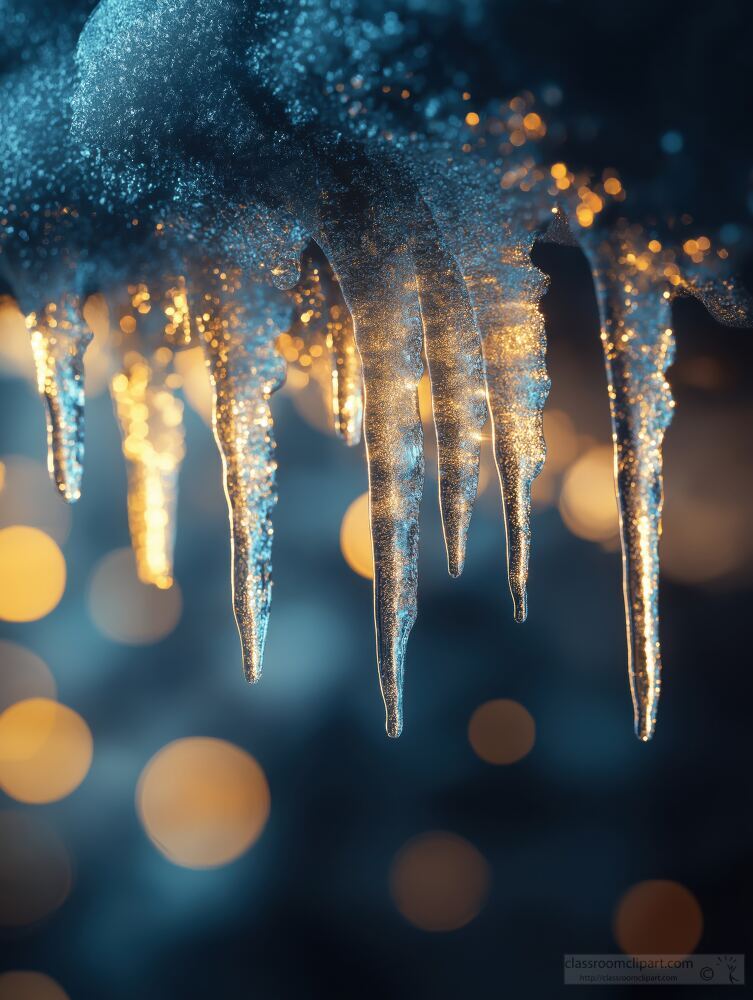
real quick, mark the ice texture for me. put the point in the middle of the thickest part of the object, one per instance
(145, 319)
(59, 338)
(150, 416)
(638, 346)
(323, 323)
(492, 235)
(227, 165)
(237, 322)
(636, 280)
(43, 231)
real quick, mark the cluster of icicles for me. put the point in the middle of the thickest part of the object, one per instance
(400, 263)
(238, 324)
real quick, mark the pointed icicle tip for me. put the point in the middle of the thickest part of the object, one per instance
(252, 647)
(645, 726)
(456, 554)
(456, 370)
(641, 407)
(69, 490)
(59, 339)
(237, 320)
(520, 601)
(386, 310)
(514, 340)
(394, 718)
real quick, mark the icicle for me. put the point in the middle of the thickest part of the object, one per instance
(347, 381)
(638, 344)
(238, 326)
(382, 241)
(323, 323)
(347, 385)
(491, 233)
(507, 299)
(174, 303)
(383, 300)
(454, 355)
(59, 339)
(151, 423)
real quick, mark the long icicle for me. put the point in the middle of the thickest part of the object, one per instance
(151, 423)
(59, 338)
(323, 322)
(347, 380)
(492, 236)
(383, 300)
(506, 298)
(456, 370)
(173, 298)
(238, 334)
(638, 344)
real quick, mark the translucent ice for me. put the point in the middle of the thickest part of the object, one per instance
(216, 139)
(43, 232)
(59, 338)
(151, 422)
(638, 347)
(636, 279)
(237, 322)
(324, 325)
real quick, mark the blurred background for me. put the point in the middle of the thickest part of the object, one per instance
(505, 826)
(168, 831)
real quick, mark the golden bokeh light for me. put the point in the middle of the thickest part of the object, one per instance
(97, 361)
(313, 401)
(28, 497)
(16, 356)
(487, 470)
(197, 387)
(29, 986)
(295, 380)
(439, 881)
(203, 802)
(35, 870)
(588, 504)
(45, 750)
(658, 917)
(150, 417)
(544, 489)
(32, 574)
(23, 675)
(561, 440)
(425, 406)
(355, 537)
(702, 372)
(127, 610)
(702, 541)
(502, 731)
(562, 448)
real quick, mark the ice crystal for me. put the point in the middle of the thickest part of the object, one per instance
(305, 179)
